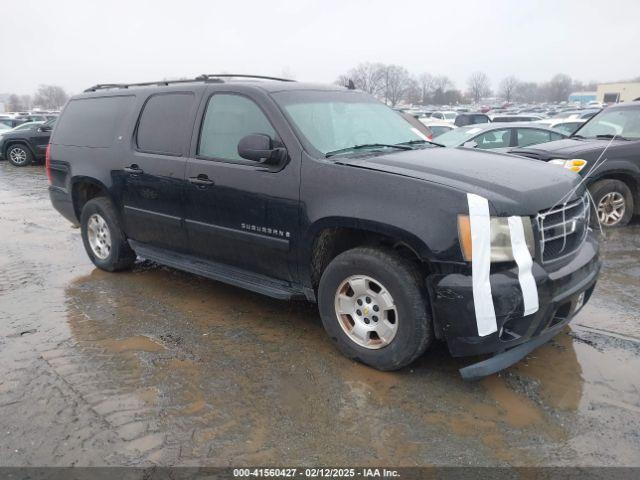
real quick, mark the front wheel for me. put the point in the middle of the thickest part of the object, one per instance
(373, 304)
(19, 155)
(614, 202)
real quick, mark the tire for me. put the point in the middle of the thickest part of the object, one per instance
(19, 155)
(100, 227)
(614, 203)
(402, 281)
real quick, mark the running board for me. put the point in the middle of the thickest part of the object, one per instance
(216, 271)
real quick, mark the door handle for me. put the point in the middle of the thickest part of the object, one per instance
(201, 180)
(134, 170)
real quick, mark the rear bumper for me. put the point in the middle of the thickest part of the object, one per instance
(62, 202)
(560, 294)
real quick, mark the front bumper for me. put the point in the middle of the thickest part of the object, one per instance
(561, 293)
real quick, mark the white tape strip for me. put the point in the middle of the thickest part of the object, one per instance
(523, 258)
(481, 264)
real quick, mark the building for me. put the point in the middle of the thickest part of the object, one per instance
(583, 97)
(618, 92)
(2, 107)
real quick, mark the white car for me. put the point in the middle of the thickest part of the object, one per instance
(445, 115)
(566, 125)
(437, 127)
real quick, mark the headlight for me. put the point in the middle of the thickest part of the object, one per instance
(500, 238)
(574, 164)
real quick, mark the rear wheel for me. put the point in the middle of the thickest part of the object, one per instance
(374, 306)
(103, 238)
(614, 202)
(19, 155)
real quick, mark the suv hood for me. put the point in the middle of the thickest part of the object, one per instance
(513, 185)
(567, 148)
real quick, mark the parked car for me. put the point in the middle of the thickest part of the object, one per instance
(297, 190)
(565, 125)
(11, 122)
(418, 125)
(446, 115)
(24, 146)
(578, 114)
(516, 118)
(464, 119)
(605, 151)
(25, 126)
(437, 127)
(500, 137)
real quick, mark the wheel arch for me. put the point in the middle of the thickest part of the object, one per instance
(84, 189)
(328, 237)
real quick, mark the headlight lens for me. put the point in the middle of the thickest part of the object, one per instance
(500, 238)
(574, 164)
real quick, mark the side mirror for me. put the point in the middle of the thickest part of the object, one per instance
(259, 148)
(44, 128)
(470, 144)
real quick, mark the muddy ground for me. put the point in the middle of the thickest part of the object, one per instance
(156, 366)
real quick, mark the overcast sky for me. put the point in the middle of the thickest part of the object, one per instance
(78, 43)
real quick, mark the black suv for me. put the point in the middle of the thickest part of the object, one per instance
(606, 151)
(464, 119)
(24, 146)
(321, 192)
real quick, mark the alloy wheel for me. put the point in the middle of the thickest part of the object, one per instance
(18, 155)
(366, 312)
(99, 236)
(611, 208)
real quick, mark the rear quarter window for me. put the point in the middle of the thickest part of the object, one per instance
(91, 122)
(165, 123)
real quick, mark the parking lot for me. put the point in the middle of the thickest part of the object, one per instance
(156, 366)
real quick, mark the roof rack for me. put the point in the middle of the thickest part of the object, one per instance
(211, 78)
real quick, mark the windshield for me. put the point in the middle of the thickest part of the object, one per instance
(458, 136)
(621, 122)
(333, 121)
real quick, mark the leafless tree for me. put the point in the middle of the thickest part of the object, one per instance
(559, 88)
(25, 100)
(14, 104)
(426, 85)
(508, 87)
(368, 77)
(527, 92)
(441, 85)
(396, 84)
(478, 86)
(51, 97)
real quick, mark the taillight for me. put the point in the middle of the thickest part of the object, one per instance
(47, 162)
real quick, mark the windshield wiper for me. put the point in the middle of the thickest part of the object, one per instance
(416, 142)
(576, 136)
(366, 145)
(610, 135)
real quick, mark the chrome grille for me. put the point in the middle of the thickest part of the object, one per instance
(563, 229)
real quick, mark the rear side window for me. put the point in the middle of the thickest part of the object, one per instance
(530, 136)
(92, 122)
(494, 139)
(165, 123)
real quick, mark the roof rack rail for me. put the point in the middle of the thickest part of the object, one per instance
(213, 78)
